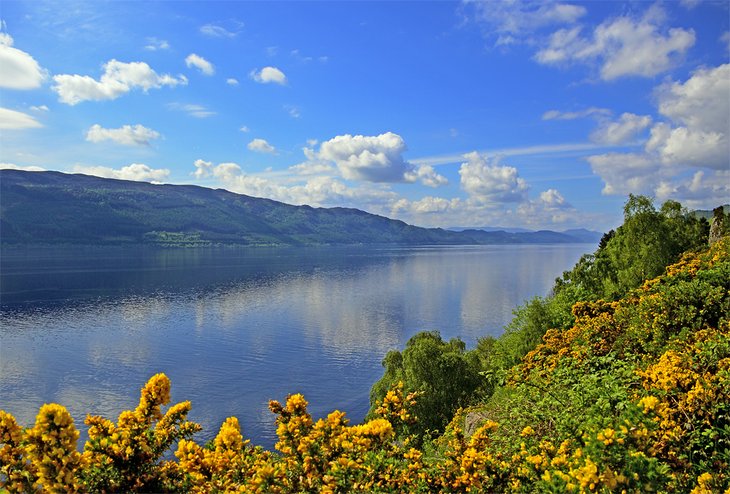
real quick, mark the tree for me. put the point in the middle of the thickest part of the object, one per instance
(446, 375)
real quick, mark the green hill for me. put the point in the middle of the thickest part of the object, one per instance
(52, 208)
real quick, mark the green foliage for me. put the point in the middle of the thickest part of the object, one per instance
(443, 372)
(640, 249)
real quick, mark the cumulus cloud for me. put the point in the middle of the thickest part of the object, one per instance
(377, 159)
(199, 63)
(11, 119)
(549, 208)
(261, 146)
(491, 183)
(700, 111)
(128, 135)
(315, 190)
(426, 175)
(136, 171)
(232, 82)
(573, 115)
(621, 130)
(197, 111)
(19, 69)
(269, 75)
(701, 189)
(428, 205)
(687, 156)
(12, 166)
(369, 158)
(118, 79)
(624, 173)
(622, 46)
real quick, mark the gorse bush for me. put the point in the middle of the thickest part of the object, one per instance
(634, 396)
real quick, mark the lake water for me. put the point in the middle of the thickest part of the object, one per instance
(235, 327)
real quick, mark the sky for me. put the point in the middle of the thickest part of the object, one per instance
(541, 115)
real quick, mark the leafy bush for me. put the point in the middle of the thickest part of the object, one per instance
(444, 374)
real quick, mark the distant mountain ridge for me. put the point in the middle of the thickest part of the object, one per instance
(59, 208)
(580, 234)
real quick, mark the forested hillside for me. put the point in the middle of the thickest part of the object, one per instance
(612, 383)
(56, 208)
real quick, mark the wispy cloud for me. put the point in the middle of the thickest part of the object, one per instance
(154, 44)
(197, 111)
(232, 29)
(546, 149)
(11, 119)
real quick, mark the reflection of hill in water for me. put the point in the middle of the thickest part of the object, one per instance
(236, 327)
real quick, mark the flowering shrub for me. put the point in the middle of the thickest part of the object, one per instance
(635, 396)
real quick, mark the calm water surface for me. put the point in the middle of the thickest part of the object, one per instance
(235, 327)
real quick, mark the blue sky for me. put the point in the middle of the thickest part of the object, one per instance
(520, 113)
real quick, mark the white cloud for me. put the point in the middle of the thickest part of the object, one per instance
(128, 135)
(232, 82)
(624, 173)
(118, 79)
(315, 191)
(698, 190)
(549, 208)
(244, 129)
(154, 44)
(621, 130)
(588, 112)
(515, 22)
(700, 108)
(622, 46)
(41, 108)
(217, 31)
(370, 158)
(11, 119)
(136, 171)
(491, 183)
(694, 135)
(197, 111)
(427, 176)
(12, 166)
(199, 63)
(313, 168)
(269, 75)
(261, 146)
(427, 205)
(19, 69)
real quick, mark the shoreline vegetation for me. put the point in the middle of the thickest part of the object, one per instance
(618, 381)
